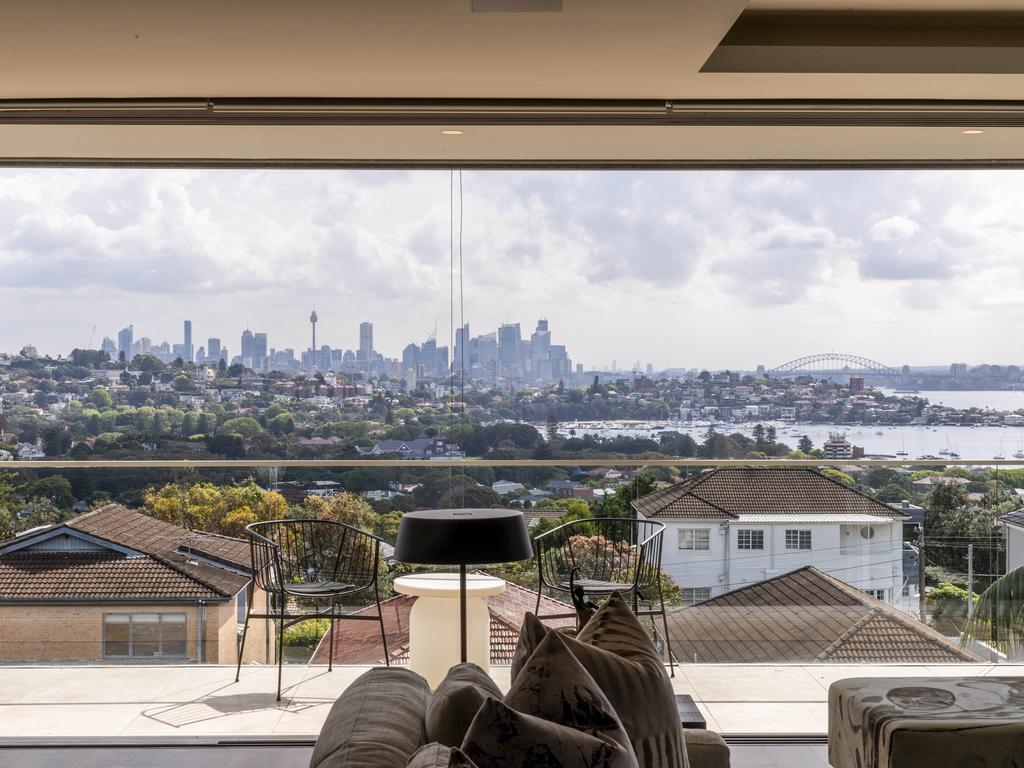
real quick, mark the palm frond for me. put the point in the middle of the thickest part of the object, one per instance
(998, 618)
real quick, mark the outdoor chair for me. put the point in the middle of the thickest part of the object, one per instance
(596, 556)
(305, 561)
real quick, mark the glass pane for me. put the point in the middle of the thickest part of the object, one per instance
(174, 634)
(145, 635)
(115, 635)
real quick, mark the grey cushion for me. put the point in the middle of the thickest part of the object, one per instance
(706, 749)
(440, 756)
(500, 737)
(617, 652)
(554, 715)
(456, 701)
(376, 723)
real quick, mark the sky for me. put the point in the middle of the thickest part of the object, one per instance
(680, 269)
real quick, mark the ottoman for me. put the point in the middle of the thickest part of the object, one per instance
(953, 722)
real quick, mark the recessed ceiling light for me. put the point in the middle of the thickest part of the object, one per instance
(972, 132)
(452, 133)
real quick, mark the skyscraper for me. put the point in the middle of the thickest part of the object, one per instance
(462, 358)
(259, 352)
(189, 350)
(125, 339)
(509, 341)
(248, 352)
(213, 349)
(365, 353)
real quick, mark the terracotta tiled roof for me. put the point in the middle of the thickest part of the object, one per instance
(804, 616)
(729, 492)
(166, 562)
(358, 642)
(104, 576)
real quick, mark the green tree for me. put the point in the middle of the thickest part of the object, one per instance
(839, 477)
(552, 429)
(246, 426)
(805, 445)
(217, 509)
(101, 398)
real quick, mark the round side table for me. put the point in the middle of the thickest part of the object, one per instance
(434, 641)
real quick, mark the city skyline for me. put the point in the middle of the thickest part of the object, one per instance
(682, 269)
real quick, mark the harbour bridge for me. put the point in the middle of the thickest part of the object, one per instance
(833, 363)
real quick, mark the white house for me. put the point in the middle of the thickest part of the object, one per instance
(734, 526)
(1014, 523)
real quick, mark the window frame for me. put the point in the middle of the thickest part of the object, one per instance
(750, 534)
(690, 597)
(798, 539)
(694, 534)
(162, 618)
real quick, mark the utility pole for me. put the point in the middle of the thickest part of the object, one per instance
(970, 581)
(920, 573)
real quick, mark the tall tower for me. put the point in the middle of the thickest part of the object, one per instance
(365, 353)
(311, 363)
(189, 356)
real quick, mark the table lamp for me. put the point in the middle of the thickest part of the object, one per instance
(460, 537)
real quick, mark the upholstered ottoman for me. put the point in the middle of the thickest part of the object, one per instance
(952, 722)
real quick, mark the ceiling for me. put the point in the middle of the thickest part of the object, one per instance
(601, 82)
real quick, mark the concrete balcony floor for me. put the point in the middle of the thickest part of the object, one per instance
(76, 703)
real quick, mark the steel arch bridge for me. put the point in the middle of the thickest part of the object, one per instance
(835, 362)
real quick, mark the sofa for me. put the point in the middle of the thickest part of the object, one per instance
(596, 699)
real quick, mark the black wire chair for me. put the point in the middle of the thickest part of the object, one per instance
(311, 560)
(599, 555)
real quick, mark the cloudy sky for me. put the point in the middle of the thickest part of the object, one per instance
(708, 269)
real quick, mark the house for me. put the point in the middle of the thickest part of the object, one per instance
(359, 642)
(114, 585)
(925, 484)
(805, 616)
(29, 452)
(734, 526)
(423, 447)
(505, 487)
(1014, 524)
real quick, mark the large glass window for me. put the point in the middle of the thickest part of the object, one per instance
(747, 538)
(696, 539)
(798, 539)
(144, 635)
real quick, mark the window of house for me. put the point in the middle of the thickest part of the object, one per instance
(878, 594)
(144, 635)
(797, 539)
(693, 595)
(749, 539)
(697, 539)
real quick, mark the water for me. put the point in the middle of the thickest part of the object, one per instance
(977, 443)
(996, 400)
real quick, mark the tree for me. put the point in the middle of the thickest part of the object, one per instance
(222, 365)
(892, 494)
(805, 445)
(758, 434)
(552, 429)
(246, 426)
(998, 618)
(770, 435)
(345, 508)
(839, 477)
(101, 398)
(217, 509)
(182, 383)
(229, 446)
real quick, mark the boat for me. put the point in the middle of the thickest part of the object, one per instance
(903, 448)
(999, 456)
(902, 453)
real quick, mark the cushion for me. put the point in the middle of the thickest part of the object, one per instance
(456, 701)
(376, 723)
(500, 737)
(706, 748)
(617, 652)
(440, 756)
(553, 715)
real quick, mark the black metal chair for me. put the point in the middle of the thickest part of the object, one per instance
(601, 555)
(311, 560)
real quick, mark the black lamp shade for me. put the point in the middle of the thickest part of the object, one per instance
(462, 537)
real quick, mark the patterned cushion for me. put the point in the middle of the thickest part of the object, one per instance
(456, 701)
(376, 723)
(554, 715)
(440, 756)
(617, 652)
